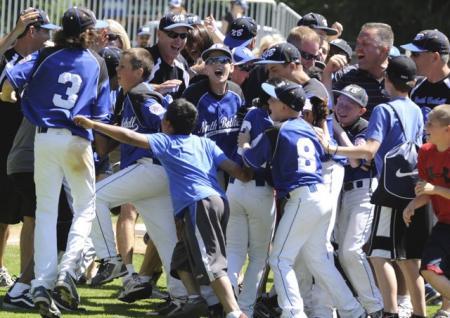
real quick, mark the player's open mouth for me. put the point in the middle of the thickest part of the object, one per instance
(218, 73)
(360, 56)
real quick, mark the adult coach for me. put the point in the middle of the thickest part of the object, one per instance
(170, 73)
(55, 93)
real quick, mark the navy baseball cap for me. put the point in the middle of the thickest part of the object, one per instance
(429, 41)
(143, 30)
(175, 3)
(279, 54)
(402, 69)
(111, 55)
(193, 19)
(42, 19)
(243, 55)
(242, 31)
(218, 47)
(76, 20)
(355, 93)
(316, 21)
(171, 21)
(343, 46)
(287, 92)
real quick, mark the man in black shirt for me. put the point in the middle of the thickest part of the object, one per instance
(170, 73)
(372, 50)
(430, 51)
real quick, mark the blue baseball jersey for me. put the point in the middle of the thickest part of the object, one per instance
(60, 83)
(256, 122)
(357, 135)
(191, 164)
(217, 115)
(143, 114)
(295, 157)
(385, 127)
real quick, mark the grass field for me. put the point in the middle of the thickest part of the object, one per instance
(98, 302)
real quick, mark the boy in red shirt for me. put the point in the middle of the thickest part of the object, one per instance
(434, 172)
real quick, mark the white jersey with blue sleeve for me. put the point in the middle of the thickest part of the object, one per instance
(60, 83)
(295, 156)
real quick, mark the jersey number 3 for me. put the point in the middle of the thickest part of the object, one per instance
(71, 92)
(306, 155)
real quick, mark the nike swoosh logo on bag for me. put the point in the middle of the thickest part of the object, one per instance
(400, 174)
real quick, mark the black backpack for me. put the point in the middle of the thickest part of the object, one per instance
(399, 174)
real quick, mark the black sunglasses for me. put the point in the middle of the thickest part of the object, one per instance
(308, 56)
(217, 60)
(416, 54)
(174, 35)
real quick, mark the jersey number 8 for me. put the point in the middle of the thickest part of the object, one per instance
(306, 155)
(71, 91)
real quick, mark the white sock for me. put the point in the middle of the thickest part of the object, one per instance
(18, 289)
(130, 269)
(404, 300)
(234, 314)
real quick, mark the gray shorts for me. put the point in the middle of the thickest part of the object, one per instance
(201, 248)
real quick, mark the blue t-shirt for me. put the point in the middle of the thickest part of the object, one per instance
(143, 114)
(62, 83)
(384, 127)
(191, 164)
(295, 159)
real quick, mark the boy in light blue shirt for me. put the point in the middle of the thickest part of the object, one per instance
(191, 163)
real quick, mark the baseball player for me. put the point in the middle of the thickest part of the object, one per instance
(136, 182)
(356, 212)
(295, 154)
(53, 93)
(252, 217)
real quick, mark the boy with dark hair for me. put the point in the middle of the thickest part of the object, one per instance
(199, 203)
(434, 167)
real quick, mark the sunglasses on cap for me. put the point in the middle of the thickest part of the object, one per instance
(308, 56)
(174, 35)
(218, 60)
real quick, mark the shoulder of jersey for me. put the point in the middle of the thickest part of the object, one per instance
(144, 91)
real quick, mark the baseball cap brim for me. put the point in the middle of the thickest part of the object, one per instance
(50, 26)
(263, 62)
(328, 31)
(100, 24)
(177, 25)
(206, 53)
(232, 43)
(245, 61)
(349, 96)
(269, 89)
(412, 48)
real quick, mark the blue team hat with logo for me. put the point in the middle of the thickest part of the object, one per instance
(111, 55)
(218, 47)
(76, 20)
(356, 93)
(42, 20)
(144, 30)
(243, 55)
(279, 54)
(429, 41)
(242, 3)
(242, 31)
(171, 21)
(287, 92)
(316, 21)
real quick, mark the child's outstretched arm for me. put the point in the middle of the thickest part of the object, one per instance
(423, 187)
(120, 134)
(233, 169)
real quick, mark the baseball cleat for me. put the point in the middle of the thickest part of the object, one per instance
(44, 303)
(134, 289)
(22, 301)
(65, 293)
(109, 270)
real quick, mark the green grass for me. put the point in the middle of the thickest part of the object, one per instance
(99, 302)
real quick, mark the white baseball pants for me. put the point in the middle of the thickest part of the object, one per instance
(58, 155)
(249, 230)
(144, 185)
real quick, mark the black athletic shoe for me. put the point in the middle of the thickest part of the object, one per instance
(44, 303)
(65, 293)
(135, 289)
(108, 270)
(23, 301)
